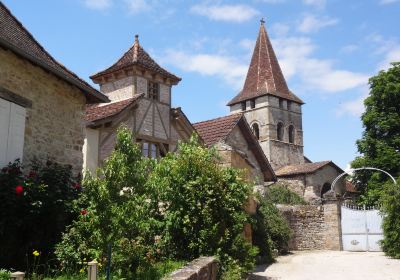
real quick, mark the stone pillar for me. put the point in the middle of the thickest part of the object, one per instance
(92, 270)
(17, 275)
(332, 219)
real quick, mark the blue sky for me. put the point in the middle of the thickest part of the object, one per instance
(327, 49)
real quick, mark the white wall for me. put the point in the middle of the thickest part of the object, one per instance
(91, 150)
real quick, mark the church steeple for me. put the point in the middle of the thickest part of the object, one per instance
(264, 75)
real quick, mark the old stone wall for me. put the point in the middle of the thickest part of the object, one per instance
(314, 227)
(203, 268)
(54, 127)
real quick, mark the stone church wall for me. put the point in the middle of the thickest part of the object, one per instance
(314, 227)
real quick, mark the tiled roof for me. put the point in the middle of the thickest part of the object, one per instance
(13, 35)
(264, 75)
(214, 130)
(350, 187)
(99, 111)
(304, 168)
(136, 55)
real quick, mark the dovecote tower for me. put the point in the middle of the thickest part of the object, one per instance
(271, 109)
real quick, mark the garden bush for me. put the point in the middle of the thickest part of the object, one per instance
(271, 230)
(179, 208)
(391, 222)
(203, 210)
(280, 194)
(35, 207)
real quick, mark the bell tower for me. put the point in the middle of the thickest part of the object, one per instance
(271, 109)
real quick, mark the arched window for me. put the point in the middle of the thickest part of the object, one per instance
(325, 188)
(279, 131)
(256, 130)
(291, 134)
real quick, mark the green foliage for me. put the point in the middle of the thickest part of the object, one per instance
(271, 232)
(391, 221)
(116, 208)
(279, 194)
(184, 206)
(4, 274)
(35, 207)
(202, 206)
(380, 144)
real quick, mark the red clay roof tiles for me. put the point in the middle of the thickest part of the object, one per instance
(136, 55)
(214, 130)
(304, 168)
(98, 111)
(264, 75)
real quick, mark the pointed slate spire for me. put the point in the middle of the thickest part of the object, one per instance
(264, 75)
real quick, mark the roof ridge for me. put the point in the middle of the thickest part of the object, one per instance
(218, 118)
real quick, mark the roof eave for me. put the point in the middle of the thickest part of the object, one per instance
(93, 96)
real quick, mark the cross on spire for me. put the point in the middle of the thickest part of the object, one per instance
(262, 21)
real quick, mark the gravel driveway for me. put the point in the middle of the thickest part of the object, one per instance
(332, 265)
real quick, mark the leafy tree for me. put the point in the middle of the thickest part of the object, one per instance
(203, 207)
(380, 144)
(391, 221)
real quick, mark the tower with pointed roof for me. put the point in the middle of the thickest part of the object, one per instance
(271, 109)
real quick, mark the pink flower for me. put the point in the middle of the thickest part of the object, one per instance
(19, 190)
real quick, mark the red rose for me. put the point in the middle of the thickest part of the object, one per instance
(19, 190)
(77, 186)
(83, 212)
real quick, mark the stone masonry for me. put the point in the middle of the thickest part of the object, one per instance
(54, 127)
(203, 268)
(314, 227)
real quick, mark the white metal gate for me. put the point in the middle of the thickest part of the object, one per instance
(361, 228)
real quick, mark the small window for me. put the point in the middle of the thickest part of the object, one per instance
(256, 131)
(243, 106)
(281, 103)
(252, 104)
(150, 150)
(279, 131)
(153, 90)
(291, 134)
(289, 105)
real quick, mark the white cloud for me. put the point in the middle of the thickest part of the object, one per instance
(230, 13)
(353, 107)
(315, 3)
(247, 44)
(137, 6)
(386, 2)
(295, 57)
(391, 55)
(98, 4)
(388, 48)
(312, 23)
(225, 67)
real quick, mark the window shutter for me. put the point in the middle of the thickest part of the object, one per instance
(4, 127)
(16, 133)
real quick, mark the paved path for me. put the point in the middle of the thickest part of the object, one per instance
(332, 265)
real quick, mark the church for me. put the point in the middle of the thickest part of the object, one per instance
(262, 135)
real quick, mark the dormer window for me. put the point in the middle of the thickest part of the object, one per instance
(243, 106)
(153, 90)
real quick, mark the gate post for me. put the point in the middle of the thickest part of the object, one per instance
(332, 216)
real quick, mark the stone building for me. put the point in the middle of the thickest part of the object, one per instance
(274, 114)
(237, 146)
(140, 92)
(42, 103)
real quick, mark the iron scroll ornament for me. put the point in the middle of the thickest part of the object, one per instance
(356, 169)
